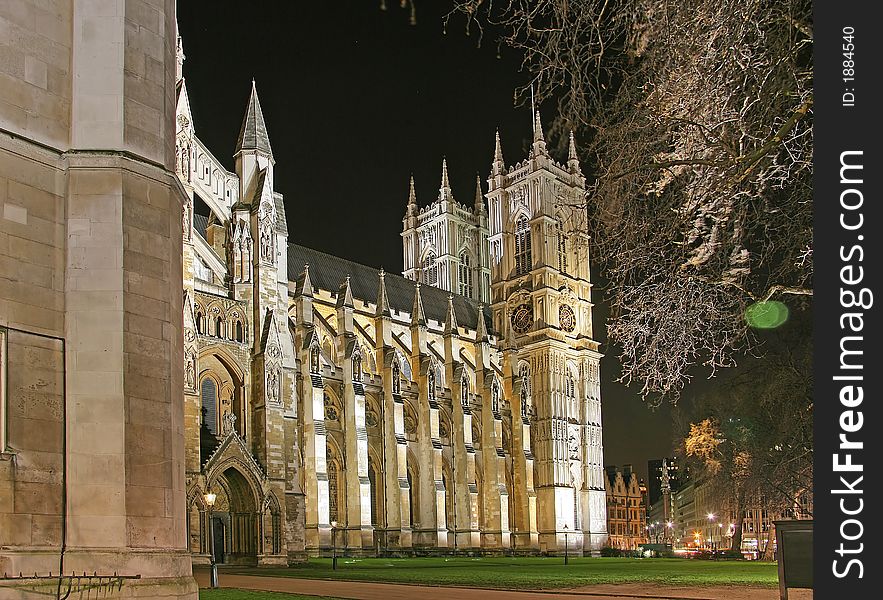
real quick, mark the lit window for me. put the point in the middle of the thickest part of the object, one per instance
(430, 269)
(562, 249)
(523, 258)
(465, 276)
(210, 404)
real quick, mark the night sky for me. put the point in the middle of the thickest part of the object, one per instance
(356, 99)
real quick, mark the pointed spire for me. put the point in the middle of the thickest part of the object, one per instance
(572, 158)
(479, 197)
(382, 298)
(253, 135)
(498, 165)
(539, 140)
(444, 192)
(451, 318)
(418, 317)
(481, 326)
(345, 295)
(538, 128)
(412, 198)
(306, 288)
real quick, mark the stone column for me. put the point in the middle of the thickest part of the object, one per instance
(524, 519)
(593, 498)
(359, 531)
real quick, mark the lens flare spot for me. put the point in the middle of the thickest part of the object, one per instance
(766, 315)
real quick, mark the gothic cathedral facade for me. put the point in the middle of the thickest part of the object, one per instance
(454, 408)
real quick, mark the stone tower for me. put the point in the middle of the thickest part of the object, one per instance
(91, 348)
(445, 243)
(541, 301)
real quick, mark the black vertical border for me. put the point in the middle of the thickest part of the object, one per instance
(841, 128)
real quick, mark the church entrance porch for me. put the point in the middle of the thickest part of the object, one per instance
(234, 520)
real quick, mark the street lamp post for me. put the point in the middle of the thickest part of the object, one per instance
(565, 545)
(711, 531)
(210, 502)
(333, 545)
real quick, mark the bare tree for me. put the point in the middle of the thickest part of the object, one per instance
(695, 119)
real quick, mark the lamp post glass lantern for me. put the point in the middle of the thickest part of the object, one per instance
(566, 557)
(210, 498)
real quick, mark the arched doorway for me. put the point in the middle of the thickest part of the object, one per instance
(234, 522)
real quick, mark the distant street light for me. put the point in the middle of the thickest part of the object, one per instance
(565, 544)
(711, 533)
(210, 498)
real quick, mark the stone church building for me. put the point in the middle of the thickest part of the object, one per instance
(161, 338)
(327, 402)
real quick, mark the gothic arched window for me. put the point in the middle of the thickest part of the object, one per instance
(430, 269)
(465, 275)
(200, 323)
(209, 391)
(219, 327)
(396, 379)
(562, 249)
(240, 335)
(333, 490)
(523, 258)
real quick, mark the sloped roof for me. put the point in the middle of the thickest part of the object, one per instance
(200, 224)
(328, 272)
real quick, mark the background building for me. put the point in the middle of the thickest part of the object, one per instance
(626, 512)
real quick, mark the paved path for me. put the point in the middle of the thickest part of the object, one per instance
(359, 590)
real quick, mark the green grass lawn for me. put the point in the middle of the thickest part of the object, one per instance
(535, 573)
(233, 594)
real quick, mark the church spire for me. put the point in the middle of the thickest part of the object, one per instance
(479, 197)
(382, 298)
(539, 140)
(253, 134)
(444, 192)
(418, 317)
(497, 166)
(412, 198)
(572, 158)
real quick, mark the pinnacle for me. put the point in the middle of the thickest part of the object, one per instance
(481, 327)
(253, 134)
(418, 317)
(451, 317)
(498, 164)
(538, 129)
(479, 197)
(382, 298)
(444, 192)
